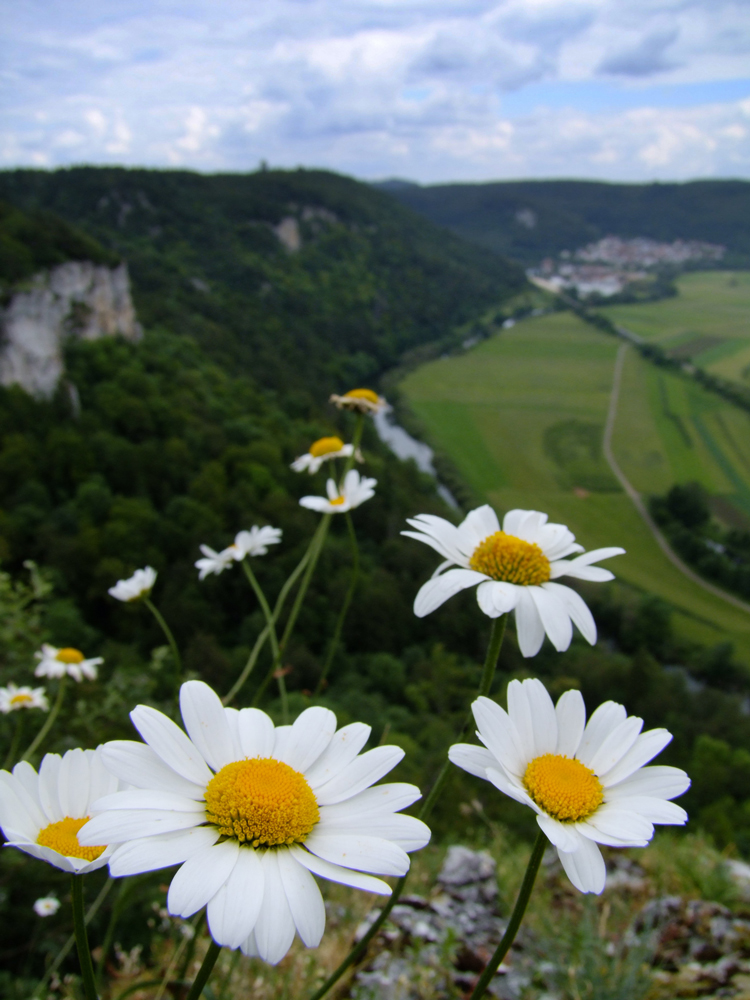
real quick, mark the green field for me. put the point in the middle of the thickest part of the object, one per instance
(708, 322)
(522, 417)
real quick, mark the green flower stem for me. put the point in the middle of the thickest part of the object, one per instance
(36, 742)
(260, 641)
(515, 918)
(15, 741)
(82, 941)
(204, 972)
(271, 626)
(65, 950)
(344, 607)
(316, 545)
(488, 673)
(170, 638)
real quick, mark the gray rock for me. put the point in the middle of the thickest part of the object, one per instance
(76, 299)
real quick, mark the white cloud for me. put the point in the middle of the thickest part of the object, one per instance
(375, 87)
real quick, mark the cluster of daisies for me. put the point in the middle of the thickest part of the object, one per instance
(53, 663)
(252, 813)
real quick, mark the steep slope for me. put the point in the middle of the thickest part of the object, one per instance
(528, 220)
(305, 278)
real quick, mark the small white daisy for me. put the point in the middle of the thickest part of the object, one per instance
(586, 783)
(13, 698)
(322, 451)
(55, 662)
(514, 569)
(42, 813)
(251, 811)
(355, 491)
(254, 542)
(358, 400)
(47, 906)
(139, 585)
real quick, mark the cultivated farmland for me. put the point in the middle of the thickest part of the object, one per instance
(522, 416)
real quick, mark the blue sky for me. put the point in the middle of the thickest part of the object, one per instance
(430, 90)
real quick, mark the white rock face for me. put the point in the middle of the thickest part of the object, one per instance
(76, 299)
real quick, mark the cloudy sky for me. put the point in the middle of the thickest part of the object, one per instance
(429, 90)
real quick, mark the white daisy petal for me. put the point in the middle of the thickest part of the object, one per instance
(508, 787)
(73, 783)
(49, 771)
(364, 771)
(408, 832)
(585, 867)
(151, 853)
(562, 835)
(519, 711)
(376, 801)
(250, 946)
(274, 930)
(117, 827)
(576, 608)
(617, 827)
(439, 534)
(25, 774)
(658, 780)
(543, 717)
(529, 627)
(311, 733)
(476, 526)
(336, 873)
(343, 748)
(645, 748)
(472, 758)
(19, 814)
(607, 717)
(233, 911)
(171, 744)
(437, 591)
(281, 736)
(233, 721)
(571, 722)
(206, 724)
(148, 798)
(140, 765)
(368, 854)
(201, 877)
(499, 734)
(256, 733)
(555, 618)
(654, 809)
(497, 598)
(101, 780)
(304, 899)
(616, 745)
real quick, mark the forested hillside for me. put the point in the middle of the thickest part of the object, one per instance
(528, 220)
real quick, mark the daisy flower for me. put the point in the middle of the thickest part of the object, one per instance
(321, 451)
(586, 783)
(359, 400)
(254, 542)
(355, 491)
(13, 698)
(514, 569)
(139, 585)
(41, 814)
(251, 812)
(55, 662)
(47, 906)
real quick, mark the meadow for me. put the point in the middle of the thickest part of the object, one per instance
(707, 322)
(522, 416)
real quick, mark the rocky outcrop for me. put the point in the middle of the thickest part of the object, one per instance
(76, 299)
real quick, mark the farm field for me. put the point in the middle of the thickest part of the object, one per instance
(707, 323)
(522, 416)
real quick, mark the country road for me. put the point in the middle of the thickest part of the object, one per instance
(638, 501)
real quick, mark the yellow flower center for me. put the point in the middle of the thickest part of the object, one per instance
(69, 655)
(63, 838)
(563, 787)
(505, 557)
(262, 802)
(337, 501)
(368, 394)
(325, 446)
(21, 698)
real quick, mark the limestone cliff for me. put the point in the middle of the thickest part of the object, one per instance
(76, 299)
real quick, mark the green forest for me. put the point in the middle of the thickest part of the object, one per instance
(187, 437)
